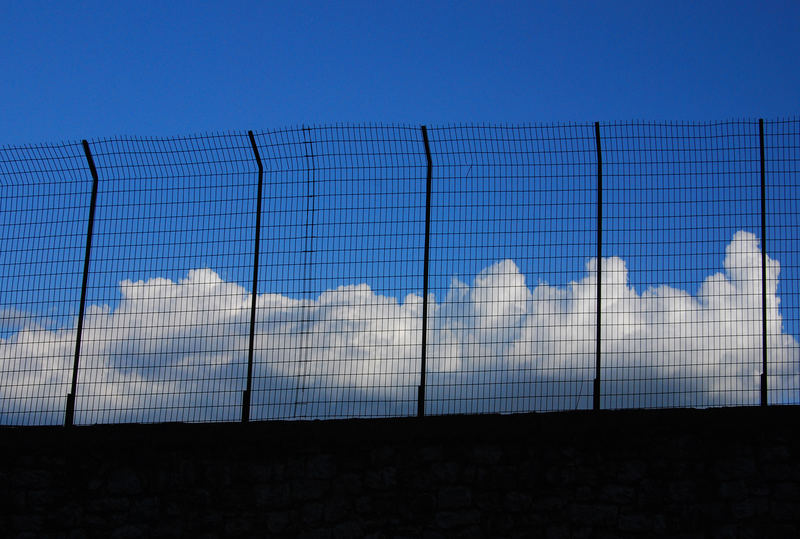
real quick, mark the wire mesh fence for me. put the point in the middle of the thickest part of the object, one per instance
(682, 209)
(338, 323)
(390, 270)
(513, 223)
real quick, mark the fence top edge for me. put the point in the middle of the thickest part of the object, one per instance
(243, 133)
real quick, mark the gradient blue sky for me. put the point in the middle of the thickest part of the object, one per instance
(75, 70)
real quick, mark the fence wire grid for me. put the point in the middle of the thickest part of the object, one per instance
(386, 270)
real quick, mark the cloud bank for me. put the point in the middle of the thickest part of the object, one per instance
(177, 351)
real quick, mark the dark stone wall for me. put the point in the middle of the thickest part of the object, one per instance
(719, 473)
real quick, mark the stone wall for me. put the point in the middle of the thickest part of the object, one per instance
(721, 473)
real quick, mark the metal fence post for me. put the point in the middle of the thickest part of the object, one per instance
(423, 353)
(763, 267)
(596, 397)
(247, 392)
(69, 415)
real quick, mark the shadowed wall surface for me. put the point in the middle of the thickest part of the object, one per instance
(728, 472)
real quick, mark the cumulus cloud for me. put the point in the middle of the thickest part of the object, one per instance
(177, 351)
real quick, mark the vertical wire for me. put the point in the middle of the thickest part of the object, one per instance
(307, 347)
(596, 397)
(764, 400)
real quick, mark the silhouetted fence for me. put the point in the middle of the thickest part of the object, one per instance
(342, 271)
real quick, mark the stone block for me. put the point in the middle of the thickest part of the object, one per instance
(454, 497)
(630, 471)
(728, 531)
(238, 527)
(123, 481)
(742, 510)
(502, 477)
(277, 521)
(423, 503)
(735, 468)
(783, 511)
(33, 523)
(168, 530)
(787, 490)
(449, 520)
(31, 479)
(486, 454)
(321, 467)
(272, 495)
(382, 455)
(517, 502)
(307, 489)
(336, 509)
(500, 524)
(733, 490)
(618, 494)
(430, 453)
(593, 514)
(322, 533)
(128, 531)
(382, 479)
(683, 491)
(364, 505)
(447, 472)
(637, 523)
(550, 504)
(40, 499)
(558, 532)
(348, 483)
(312, 513)
(348, 530)
(471, 532)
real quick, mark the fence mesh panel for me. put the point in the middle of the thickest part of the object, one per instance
(338, 330)
(682, 278)
(45, 200)
(512, 278)
(165, 338)
(782, 156)
(513, 228)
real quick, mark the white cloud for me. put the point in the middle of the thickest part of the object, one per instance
(177, 351)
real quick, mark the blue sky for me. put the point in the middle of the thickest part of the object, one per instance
(96, 69)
